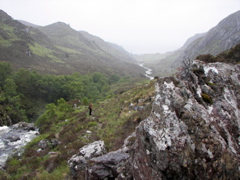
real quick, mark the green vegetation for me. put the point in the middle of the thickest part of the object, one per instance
(7, 36)
(4, 42)
(39, 50)
(230, 56)
(68, 50)
(207, 98)
(112, 119)
(23, 94)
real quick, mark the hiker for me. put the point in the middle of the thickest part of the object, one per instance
(90, 108)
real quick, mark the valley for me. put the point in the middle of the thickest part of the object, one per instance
(183, 124)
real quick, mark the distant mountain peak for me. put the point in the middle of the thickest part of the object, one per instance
(59, 24)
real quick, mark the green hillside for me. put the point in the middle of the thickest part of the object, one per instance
(59, 49)
(71, 127)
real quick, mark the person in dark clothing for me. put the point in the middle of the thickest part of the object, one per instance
(90, 108)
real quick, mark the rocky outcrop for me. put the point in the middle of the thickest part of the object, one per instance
(191, 133)
(92, 161)
(193, 130)
(79, 162)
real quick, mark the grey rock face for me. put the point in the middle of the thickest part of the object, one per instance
(79, 162)
(108, 165)
(187, 137)
(191, 133)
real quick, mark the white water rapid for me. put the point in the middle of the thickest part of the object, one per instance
(148, 72)
(14, 138)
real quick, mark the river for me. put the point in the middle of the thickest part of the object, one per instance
(148, 72)
(14, 138)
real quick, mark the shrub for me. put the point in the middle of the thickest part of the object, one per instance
(208, 58)
(206, 98)
(36, 140)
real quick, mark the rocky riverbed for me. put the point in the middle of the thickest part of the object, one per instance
(14, 138)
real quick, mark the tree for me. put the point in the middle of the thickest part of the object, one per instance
(5, 72)
(63, 106)
(113, 78)
(10, 87)
(85, 101)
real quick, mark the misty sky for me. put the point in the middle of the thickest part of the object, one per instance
(140, 26)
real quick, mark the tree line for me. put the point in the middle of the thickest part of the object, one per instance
(22, 92)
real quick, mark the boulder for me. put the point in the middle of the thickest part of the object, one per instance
(108, 165)
(79, 162)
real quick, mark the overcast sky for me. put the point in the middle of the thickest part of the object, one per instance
(140, 26)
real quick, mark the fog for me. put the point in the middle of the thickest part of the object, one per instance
(139, 26)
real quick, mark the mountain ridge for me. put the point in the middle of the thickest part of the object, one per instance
(59, 49)
(223, 36)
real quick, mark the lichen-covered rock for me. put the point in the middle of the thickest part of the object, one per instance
(186, 137)
(191, 133)
(79, 162)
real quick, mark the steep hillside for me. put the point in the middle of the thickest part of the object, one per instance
(59, 49)
(192, 39)
(85, 50)
(66, 127)
(218, 39)
(26, 47)
(111, 48)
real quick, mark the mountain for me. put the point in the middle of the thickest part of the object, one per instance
(112, 48)
(59, 49)
(192, 39)
(28, 23)
(218, 39)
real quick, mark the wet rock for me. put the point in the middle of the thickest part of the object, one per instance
(79, 162)
(12, 138)
(24, 126)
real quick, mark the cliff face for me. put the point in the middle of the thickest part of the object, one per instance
(191, 133)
